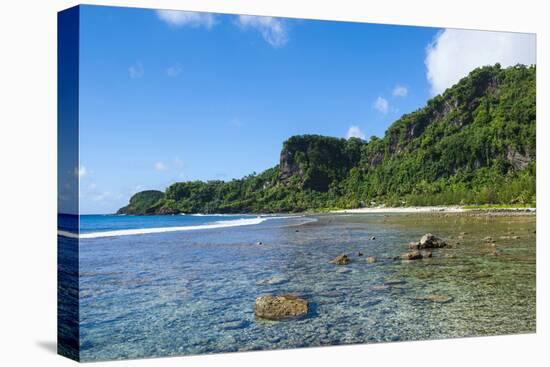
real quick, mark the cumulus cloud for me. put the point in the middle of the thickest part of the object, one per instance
(80, 172)
(136, 71)
(273, 30)
(174, 70)
(160, 166)
(400, 91)
(456, 52)
(381, 105)
(178, 18)
(355, 132)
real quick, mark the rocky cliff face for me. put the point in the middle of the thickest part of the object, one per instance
(315, 161)
(288, 167)
(455, 107)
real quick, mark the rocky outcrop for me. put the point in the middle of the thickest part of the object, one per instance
(342, 259)
(427, 241)
(280, 307)
(288, 167)
(315, 161)
(140, 202)
(517, 160)
(413, 255)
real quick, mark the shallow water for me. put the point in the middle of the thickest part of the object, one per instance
(193, 292)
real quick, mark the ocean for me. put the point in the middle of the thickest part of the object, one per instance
(186, 284)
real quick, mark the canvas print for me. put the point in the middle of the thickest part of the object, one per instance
(237, 183)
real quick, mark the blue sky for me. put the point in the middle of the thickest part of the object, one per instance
(176, 96)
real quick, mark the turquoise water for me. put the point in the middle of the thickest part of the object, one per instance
(191, 292)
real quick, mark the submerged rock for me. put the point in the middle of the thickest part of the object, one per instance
(371, 259)
(437, 298)
(235, 325)
(273, 281)
(342, 259)
(488, 239)
(413, 255)
(280, 307)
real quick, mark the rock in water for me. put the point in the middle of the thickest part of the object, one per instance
(280, 307)
(413, 255)
(371, 259)
(359, 253)
(430, 241)
(341, 260)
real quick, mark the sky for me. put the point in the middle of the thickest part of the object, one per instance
(169, 96)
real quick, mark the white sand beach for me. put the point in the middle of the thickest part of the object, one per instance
(410, 209)
(427, 209)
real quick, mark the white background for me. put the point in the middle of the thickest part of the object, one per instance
(28, 181)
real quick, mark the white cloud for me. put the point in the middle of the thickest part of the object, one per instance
(273, 30)
(400, 91)
(177, 18)
(160, 166)
(136, 71)
(101, 196)
(80, 172)
(174, 70)
(381, 105)
(355, 132)
(456, 52)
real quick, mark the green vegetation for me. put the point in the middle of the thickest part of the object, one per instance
(141, 202)
(475, 144)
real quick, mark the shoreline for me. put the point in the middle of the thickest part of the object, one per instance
(435, 210)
